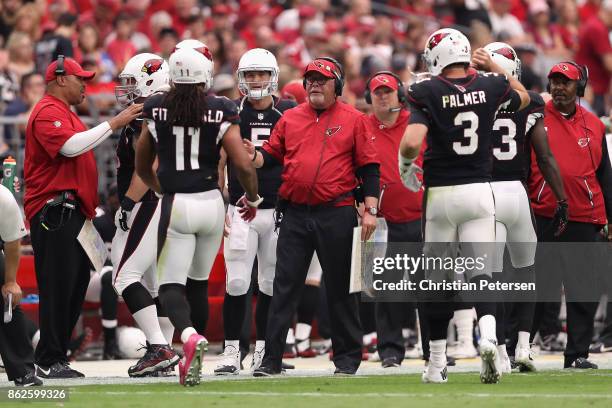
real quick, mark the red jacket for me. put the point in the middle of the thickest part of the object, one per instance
(320, 153)
(577, 144)
(397, 203)
(47, 172)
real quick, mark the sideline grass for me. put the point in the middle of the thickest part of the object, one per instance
(544, 389)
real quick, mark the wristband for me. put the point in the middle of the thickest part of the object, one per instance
(255, 203)
(127, 203)
(404, 160)
(254, 156)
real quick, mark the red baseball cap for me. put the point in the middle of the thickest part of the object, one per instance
(71, 67)
(570, 71)
(383, 80)
(323, 67)
(295, 90)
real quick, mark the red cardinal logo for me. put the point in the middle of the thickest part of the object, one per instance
(382, 79)
(152, 66)
(435, 40)
(506, 52)
(564, 67)
(332, 131)
(205, 51)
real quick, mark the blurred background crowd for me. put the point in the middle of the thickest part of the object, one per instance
(365, 35)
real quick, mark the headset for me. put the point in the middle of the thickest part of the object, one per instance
(59, 69)
(339, 76)
(582, 82)
(401, 92)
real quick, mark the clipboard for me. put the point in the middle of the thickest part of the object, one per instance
(93, 245)
(360, 278)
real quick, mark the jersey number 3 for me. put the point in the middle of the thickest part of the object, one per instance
(194, 135)
(468, 133)
(507, 139)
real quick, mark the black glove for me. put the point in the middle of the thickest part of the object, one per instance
(560, 219)
(123, 213)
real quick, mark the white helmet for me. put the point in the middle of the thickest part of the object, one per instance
(143, 75)
(188, 66)
(505, 56)
(197, 45)
(445, 47)
(258, 59)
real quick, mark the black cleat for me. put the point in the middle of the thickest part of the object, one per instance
(265, 371)
(157, 357)
(344, 371)
(111, 351)
(286, 366)
(450, 361)
(581, 363)
(58, 370)
(391, 362)
(28, 380)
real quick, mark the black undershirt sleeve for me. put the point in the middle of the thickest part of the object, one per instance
(370, 179)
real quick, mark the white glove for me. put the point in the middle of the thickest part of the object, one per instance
(408, 172)
(121, 219)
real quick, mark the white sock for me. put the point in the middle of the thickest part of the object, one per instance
(233, 343)
(167, 328)
(187, 333)
(109, 324)
(302, 345)
(437, 353)
(302, 331)
(487, 327)
(523, 339)
(147, 321)
(501, 350)
(35, 339)
(290, 336)
(368, 338)
(260, 345)
(464, 320)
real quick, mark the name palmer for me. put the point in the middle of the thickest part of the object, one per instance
(464, 99)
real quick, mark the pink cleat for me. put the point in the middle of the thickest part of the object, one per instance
(190, 366)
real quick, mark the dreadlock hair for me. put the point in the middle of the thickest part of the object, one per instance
(186, 104)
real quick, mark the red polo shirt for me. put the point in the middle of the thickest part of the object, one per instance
(577, 144)
(47, 172)
(320, 153)
(397, 203)
(594, 42)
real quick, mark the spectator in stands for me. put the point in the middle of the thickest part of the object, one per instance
(544, 34)
(28, 21)
(102, 15)
(89, 48)
(121, 48)
(595, 51)
(505, 26)
(589, 9)
(235, 50)
(168, 38)
(100, 92)
(8, 15)
(183, 10)
(56, 42)
(469, 13)
(140, 41)
(32, 90)
(528, 54)
(568, 23)
(225, 85)
(21, 55)
(157, 23)
(8, 87)
(195, 27)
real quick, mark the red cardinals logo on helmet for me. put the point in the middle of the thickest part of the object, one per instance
(435, 40)
(152, 66)
(205, 51)
(506, 52)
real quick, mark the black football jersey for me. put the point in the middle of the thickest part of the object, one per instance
(188, 156)
(126, 158)
(459, 114)
(511, 146)
(256, 126)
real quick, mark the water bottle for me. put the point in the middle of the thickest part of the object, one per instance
(8, 169)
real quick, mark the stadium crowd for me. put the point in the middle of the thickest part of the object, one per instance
(364, 36)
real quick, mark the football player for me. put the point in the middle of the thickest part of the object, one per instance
(513, 135)
(186, 128)
(135, 241)
(259, 111)
(455, 110)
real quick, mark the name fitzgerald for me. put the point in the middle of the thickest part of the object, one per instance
(459, 100)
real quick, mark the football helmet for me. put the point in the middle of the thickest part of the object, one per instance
(258, 59)
(199, 46)
(188, 66)
(445, 47)
(505, 56)
(143, 75)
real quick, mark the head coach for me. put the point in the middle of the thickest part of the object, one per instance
(577, 140)
(324, 147)
(61, 193)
